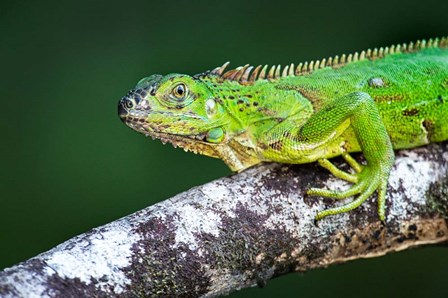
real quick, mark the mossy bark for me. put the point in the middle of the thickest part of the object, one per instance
(240, 231)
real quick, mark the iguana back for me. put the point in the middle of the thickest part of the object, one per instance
(409, 88)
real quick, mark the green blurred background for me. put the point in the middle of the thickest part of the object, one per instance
(68, 164)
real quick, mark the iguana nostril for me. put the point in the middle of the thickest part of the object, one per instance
(121, 111)
(123, 105)
(128, 103)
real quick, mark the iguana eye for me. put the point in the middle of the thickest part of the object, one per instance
(180, 91)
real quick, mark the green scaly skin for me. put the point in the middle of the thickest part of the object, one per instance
(374, 102)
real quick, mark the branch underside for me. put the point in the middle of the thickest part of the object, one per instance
(240, 231)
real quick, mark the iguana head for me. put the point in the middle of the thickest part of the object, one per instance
(183, 111)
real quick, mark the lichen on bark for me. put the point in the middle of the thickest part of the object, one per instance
(240, 231)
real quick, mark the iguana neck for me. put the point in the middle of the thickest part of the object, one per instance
(252, 110)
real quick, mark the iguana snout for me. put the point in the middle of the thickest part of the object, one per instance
(134, 105)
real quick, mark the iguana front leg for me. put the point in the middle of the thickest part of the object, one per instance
(315, 139)
(375, 144)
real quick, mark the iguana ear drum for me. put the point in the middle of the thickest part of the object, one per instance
(215, 135)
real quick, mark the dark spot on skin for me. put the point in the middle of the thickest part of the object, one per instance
(263, 146)
(311, 93)
(428, 125)
(410, 112)
(440, 98)
(232, 97)
(241, 109)
(266, 111)
(240, 101)
(249, 96)
(276, 145)
(255, 103)
(390, 97)
(152, 92)
(247, 104)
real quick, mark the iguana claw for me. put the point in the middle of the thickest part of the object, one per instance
(366, 181)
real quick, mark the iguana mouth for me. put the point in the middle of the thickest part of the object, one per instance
(136, 118)
(195, 143)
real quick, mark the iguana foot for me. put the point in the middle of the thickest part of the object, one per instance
(366, 180)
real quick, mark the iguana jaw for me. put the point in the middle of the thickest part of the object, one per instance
(233, 153)
(193, 143)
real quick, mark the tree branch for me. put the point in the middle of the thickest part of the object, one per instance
(240, 231)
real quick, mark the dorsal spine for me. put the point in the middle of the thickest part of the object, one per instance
(248, 74)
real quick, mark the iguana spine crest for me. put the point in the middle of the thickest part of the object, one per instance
(245, 76)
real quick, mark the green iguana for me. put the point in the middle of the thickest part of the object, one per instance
(373, 101)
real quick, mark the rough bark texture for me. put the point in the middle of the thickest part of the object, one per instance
(238, 232)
